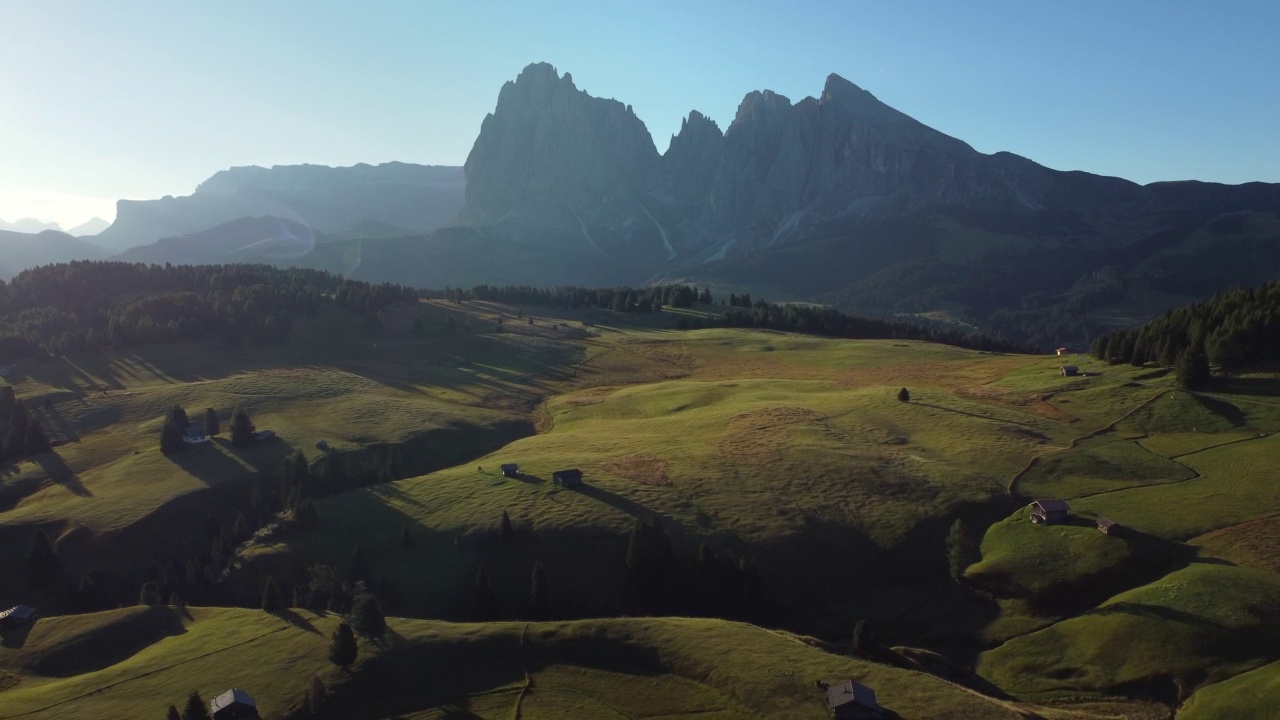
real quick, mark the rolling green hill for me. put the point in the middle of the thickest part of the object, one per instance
(660, 667)
(796, 491)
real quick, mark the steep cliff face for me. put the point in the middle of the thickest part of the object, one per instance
(556, 167)
(418, 198)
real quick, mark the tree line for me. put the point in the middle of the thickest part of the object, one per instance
(618, 299)
(87, 305)
(1235, 330)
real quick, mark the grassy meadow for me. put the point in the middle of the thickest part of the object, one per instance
(791, 450)
(660, 667)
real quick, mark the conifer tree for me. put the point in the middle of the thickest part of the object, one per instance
(7, 401)
(36, 441)
(42, 560)
(861, 636)
(358, 572)
(342, 646)
(171, 437)
(150, 594)
(195, 709)
(271, 601)
(367, 616)
(180, 416)
(483, 604)
(1192, 367)
(962, 550)
(242, 428)
(211, 426)
(173, 713)
(904, 395)
(540, 598)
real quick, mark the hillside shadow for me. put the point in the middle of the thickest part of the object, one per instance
(966, 413)
(15, 637)
(1263, 387)
(297, 620)
(613, 500)
(1156, 612)
(58, 471)
(56, 425)
(1221, 408)
(208, 462)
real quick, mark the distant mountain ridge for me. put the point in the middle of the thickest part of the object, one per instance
(419, 198)
(20, 251)
(841, 199)
(29, 225)
(837, 199)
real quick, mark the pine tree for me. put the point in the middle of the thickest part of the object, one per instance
(271, 601)
(150, 594)
(42, 561)
(861, 636)
(316, 694)
(904, 395)
(367, 616)
(505, 533)
(482, 599)
(171, 437)
(358, 572)
(36, 441)
(180, 416)
(173, 713)
(7, 401)
(211, 426)
(15, 441)
(1192, 367)
(342, 646)
(962, 551)
(195, 709)
(242, 428)
(539, 598)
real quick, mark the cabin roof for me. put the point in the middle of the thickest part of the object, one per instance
(231, 697)
(1050, 506)
(851, 692)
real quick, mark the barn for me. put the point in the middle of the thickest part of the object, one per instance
(234, 704)
(852, 700)
(1049, 512)
(567, 478)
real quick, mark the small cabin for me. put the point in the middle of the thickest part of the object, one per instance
(234, 704)
(1070, 370)
(17, 616)
(567, 478)
(194, 435)
(1049, 512)
(510, 470)
(1108, 527)
(853, 701)
(1062, 351)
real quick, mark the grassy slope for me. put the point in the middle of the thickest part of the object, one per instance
(381, 387)
(651, 667)
(792, 448)
(1251, 694)
(1195, 625)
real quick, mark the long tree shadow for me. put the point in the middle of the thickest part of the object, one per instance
(16, 637)
(1221, 408)
(614, 501)
(59, 430)
(1002, 421)
(60, 473)
(297, 620)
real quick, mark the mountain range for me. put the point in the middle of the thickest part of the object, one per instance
(837, 199)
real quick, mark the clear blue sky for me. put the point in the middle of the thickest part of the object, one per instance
(102, 100)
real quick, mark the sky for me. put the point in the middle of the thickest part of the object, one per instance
(100, 101)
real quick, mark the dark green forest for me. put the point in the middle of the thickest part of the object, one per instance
(78, 306)
(1236, 330)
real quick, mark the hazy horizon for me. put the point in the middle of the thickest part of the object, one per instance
(147, 99)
